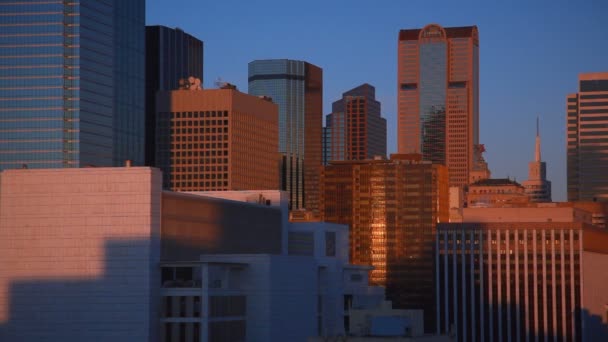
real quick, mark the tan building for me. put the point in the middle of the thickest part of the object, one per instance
(496, 192)
(217, 139)
(438, 96)
(392, 208)
(519, 274)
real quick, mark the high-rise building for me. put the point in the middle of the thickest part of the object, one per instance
(538, 188)
(71, 83)
(216, 139)
(522, 274)
(355, 129)
(392, 208)
(297, 87)
(587, 126)
(171, 55)
(438, 96)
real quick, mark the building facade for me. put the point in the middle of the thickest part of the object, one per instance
(297, 88)
(438, 96)
(71, 85)
(392, 208)
(355, 129)
(171, 55)
(105, 254)
(538, 188)
(216, 139)
(522, 274)
(496, 192)
(587, 140)
(80, 251)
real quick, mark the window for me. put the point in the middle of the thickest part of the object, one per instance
(330, 244)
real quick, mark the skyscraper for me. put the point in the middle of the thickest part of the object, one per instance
(297, 87)
(587, 126)
(216, 139)
(392, 208)
(171, 55)
(438, 101)
(71, 83)
(538, 188)
(355, 130)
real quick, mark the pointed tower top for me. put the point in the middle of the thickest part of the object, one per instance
(537, 151)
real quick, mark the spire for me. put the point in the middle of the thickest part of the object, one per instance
(537, 152)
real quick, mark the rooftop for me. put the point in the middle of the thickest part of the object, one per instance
(495, 182)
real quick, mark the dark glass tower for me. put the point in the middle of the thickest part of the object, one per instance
(171, 55)
(355, 130)
(297, 87)
(71, 83)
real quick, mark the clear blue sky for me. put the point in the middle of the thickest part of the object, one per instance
(530, 55)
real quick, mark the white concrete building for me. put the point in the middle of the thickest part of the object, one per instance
(79, 253)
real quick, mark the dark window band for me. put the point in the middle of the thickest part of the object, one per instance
(594, 85)
(594, 118)
(594, 111)
(594, 126)
(594, 97)
(408, 86)
(593, 104)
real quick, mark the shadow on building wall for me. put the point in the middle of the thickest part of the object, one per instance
(593, 327)
(486, 326)
(194, 225)
(120, 305)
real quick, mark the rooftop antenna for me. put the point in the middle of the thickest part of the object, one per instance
(537, 145)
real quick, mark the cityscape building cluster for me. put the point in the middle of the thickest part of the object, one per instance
(135, 205)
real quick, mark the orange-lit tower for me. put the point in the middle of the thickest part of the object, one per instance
(392, 208)
(438, 101)
(216, 139)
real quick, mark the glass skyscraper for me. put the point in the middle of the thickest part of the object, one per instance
(297, 87)
(171, 55)
(438, 96)
(71, 83)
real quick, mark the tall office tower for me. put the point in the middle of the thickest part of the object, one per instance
(171, 55)
(522, 274)
(538, 188)
(71, 83)
(216, 139)
(355, 130)
(438, 101)
(297, 87)
(392, 208)
(588, 139)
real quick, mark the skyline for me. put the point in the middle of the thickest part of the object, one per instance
(351, 54)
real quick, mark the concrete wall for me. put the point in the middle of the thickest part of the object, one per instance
(193, 225)
(595, 296)
(80, 253)
(539, 214)
(282, 293)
